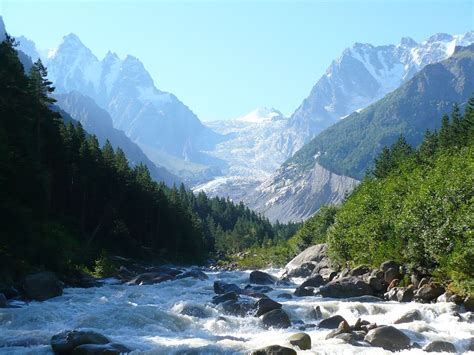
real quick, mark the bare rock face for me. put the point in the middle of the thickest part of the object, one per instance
(312, 261)
(349, 286)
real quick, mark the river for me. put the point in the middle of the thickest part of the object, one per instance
(147, 318)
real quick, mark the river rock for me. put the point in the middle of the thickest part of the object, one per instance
(389, 264)
(377, 284)
(194, 311)
(261, 278)
(429, 292)
(469, 304)
(100, 349)
(303, 291)
(313, 281)
(359, 270)
(229, 296)
(388, 337)
(67, 340)
(439, 346)
(265, 305)
(275, 350)
(314, 258)
(409, 317)
(392, 274)
(342, 328)
(331, 322)
(150, 278)
(285, 295)
(42, 286)
(347, 338)
(276, 318)
(301, 340)
(240, 308)
(260, 288)
(349, 286)
(405, 294)
(316, 313)
(196, 274)
(222, 287)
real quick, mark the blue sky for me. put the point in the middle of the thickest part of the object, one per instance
(225, 58)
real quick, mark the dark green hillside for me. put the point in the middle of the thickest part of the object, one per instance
(350, 146)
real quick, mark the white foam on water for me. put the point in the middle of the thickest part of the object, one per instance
(148, 319)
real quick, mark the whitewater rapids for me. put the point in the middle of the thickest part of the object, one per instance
(147, 319)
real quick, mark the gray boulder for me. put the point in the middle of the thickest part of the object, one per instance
(359, 270)
(274, 350)
(331, 322)
(429, 292)
(265, 305)
(342, 328)
(195, 273)
(303, 291)
(405, 294)
(312, 260)
(229, 296)
(349, 286)
(150, 278)
(388, 337)
(390, 264)
(301, 340)
(276, 319)
(391, 274)
(313, 281)
(240, 308)
(67, 340)
(261, 278)
(195, 311)
(316, 313)
(42, 286)
(222, 287)
(439, 346)
(409, 317)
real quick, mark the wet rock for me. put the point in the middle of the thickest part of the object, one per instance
(331, 322)
(42, 286)
(312, 259)
(229, 296)
(303, 291)
(359, 324)
(377, 284)
(359, 270)
(405, 294)
(275, 350)
(409, 317)
(424, 281)
(285, 295)
(346, 287)
(100, 349)
(313, 281)
(265, 305)
(347, 338)
(388, 337)
(365, 299)
(342, 328)
(392, 274)
(377, 273)
(301, 340)
(150, 278)
(390, 264)
(457, 299)
(359, 335)
(222, 287)
(393, 284)
(9, 291)
(238, 308)
(196, 274)
(429, 292)
(194, 311)
(391, 295)
(261, 289)
(439, 346)
(276, 318)
(3, 301)
(316, 313)
(469, 304)
(261, 278)
(67, 340)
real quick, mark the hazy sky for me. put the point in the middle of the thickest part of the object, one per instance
(225, 58)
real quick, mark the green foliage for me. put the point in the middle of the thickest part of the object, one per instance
(418, 211)
(104, 267)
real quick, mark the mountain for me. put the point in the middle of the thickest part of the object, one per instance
(253, 148)
(329, 166)
(362, 75)
(166, 129)
(96, 120)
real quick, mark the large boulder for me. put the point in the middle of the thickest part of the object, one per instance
(388, 337)
(360, 270)
(341, 329)
(276, 319)
(261, 278)
(313, 281)
(301, 340)
(194, 273)
(229, 296)
(239, 308)
(66, 341)
(349, 286)
(222, 287)
(331, 322)
(392, 274)
(389, 264)
(42, 286)
(405, 294)
(409, 317)
(303, 291)
(150, 278)
(274, 350)
(265, 305)
(310, 261)
(429, 292)
(439, 346)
